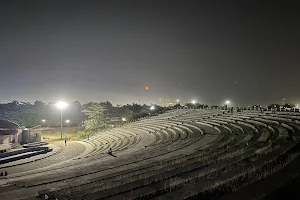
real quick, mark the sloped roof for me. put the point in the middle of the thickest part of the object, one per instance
(5, 124)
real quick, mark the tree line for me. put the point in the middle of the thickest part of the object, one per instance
(93, 115)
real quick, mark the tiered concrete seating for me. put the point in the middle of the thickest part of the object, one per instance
(22, 154)
(116, 139)
(180, 154)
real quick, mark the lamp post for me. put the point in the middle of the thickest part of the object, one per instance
(68, 121)
(227, 104)
(61, 105)
(124, 120)
(43, 121)
(193, 102)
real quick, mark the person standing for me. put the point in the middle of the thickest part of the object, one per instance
(66, 138)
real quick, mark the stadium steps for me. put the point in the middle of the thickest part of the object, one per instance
(184, 174)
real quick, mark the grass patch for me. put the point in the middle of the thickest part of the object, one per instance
(54, 133)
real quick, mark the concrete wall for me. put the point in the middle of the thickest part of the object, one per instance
(5, 139)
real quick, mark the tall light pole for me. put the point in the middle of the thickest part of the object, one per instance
(61, 105)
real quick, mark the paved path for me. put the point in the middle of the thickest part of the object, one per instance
(72, 150)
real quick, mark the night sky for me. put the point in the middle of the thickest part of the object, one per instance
(248, 53)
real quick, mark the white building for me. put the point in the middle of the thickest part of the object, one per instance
(9, 132)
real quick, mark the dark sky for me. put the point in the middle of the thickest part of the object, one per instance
(110, 50)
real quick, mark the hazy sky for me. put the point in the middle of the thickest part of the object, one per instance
(95, 50)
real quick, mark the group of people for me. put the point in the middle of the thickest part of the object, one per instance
(3, 173)
(274, 110)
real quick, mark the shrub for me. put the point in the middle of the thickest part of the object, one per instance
(84, 134)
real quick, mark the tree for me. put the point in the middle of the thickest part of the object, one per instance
(39, 105)
(106, 105)
(177, 105)
(96, 118)
(28, 116)
(74, 113)
(128, 114)
(289, 105)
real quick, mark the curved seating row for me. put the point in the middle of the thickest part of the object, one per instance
(181, 154)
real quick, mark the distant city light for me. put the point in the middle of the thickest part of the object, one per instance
(152, 108)
(146, 87)
(123, 119)
(227, 102)
(67, 121)
(177, 100)
(43, 120)
(194, 101)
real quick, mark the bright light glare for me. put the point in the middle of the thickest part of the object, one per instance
(61, 104)
(152, 108)
(177, 100)
(67, 121)
(193, 102)
(123, 119)
(227, 102)
(43, 120)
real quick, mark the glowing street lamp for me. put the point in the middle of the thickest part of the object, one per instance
(123, 119)
(194, 102)
(43, 121)
(61, 105)
(152, 108)
(227, 102)
(68, 121)
(177, 100)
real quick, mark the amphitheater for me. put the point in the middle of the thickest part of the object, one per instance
(180, 154)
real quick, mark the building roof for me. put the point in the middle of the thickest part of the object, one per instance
(8, 125)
